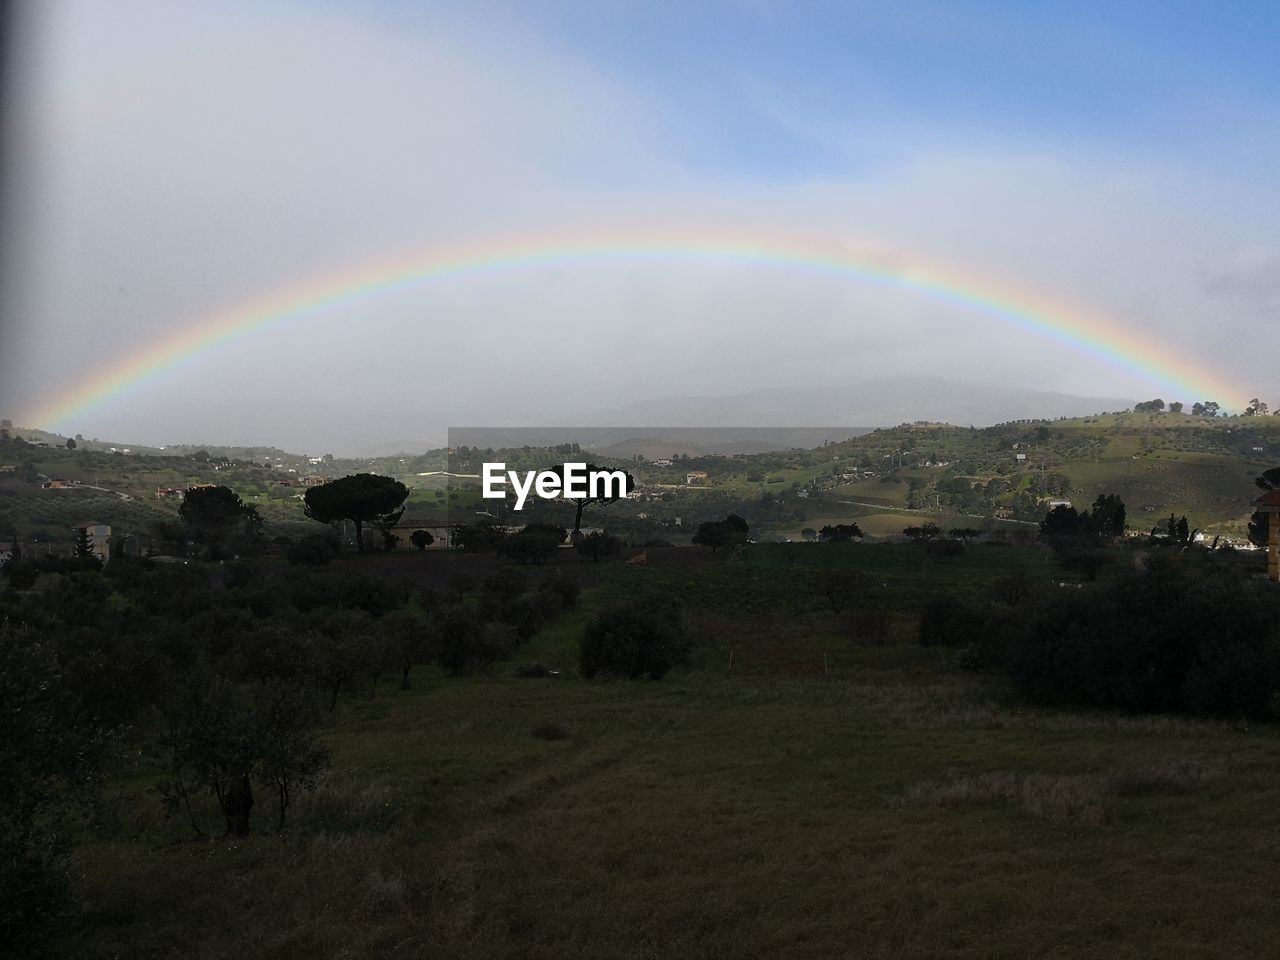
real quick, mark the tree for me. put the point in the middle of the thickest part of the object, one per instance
(843, 588)
(1256, 408)
(221, 737)
(50, 743)
(1063, 521)
(534, 544)
(643, 637)
(1179, 533)
(1150, 406)
(214, 514)
(582, 503)
(598, 545)
(421, 539)
(1175, 406)
(361, 498)
(83, 549)
(965, 534)
(1207, 408)
(1259, 523)
(411, 639)
(1108, 516)
(478, 537)
(71, 444)
(840, 532)
(808, 534)
(923, 533)
(731, 533)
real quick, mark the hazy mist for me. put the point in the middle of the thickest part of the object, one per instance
(173, 160)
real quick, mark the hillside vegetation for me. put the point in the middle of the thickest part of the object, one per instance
(1159, 463)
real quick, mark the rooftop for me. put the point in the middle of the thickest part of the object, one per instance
(1269, 499)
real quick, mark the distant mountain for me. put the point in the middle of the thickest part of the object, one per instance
(412, 446)
(655, 442)
(879, 403)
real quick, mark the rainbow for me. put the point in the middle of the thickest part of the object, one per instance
(1089, 335)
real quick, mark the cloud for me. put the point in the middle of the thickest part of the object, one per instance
(181, 158)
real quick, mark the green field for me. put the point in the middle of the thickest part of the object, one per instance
(792, 793)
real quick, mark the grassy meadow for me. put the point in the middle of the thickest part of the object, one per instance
(791, 793)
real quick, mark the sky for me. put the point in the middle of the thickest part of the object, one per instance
(170, 164)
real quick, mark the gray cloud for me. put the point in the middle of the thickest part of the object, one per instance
(180, 158)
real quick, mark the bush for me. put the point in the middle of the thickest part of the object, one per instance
(950, 621)
(598, 545)
(313, 550)
(530, 546)
(478, 538)
(564, 588)
(639, 638)
(845, 588)
(526, 616)
(506, 583)
(1183, 634)
(48, 773)
(532, 671)
(468, 642)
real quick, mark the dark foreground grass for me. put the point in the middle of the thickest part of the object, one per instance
(876, 804)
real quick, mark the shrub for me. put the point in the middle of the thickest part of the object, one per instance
(506, 583)
(598, 545)
(1179, 635)
(531, 545)
(459, 585)
(478, 538)
(468, 642)
(564, 588)
(526, 616)
(845, 588)
(532, 671)
(313, 550)
(950, 621)
(639, 638)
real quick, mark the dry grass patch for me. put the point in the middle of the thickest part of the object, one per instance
(1078, 798)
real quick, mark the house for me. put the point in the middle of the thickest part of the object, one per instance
(664, 462)
(442, 532)
(1059, 502)
(99, 535)
(314, 481)
(1020, 457)
(695, 476)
